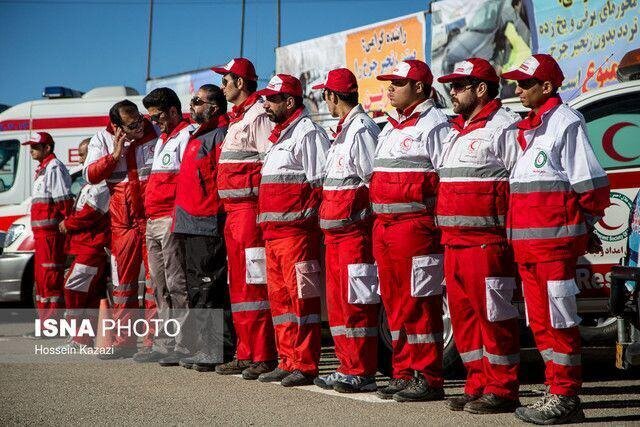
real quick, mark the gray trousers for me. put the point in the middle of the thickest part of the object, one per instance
(166, 268)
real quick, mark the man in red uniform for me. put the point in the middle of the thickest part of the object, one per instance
(51, 202)
(88, 231)
(558, 192)
(238, 177)
(479, 268)
(345, 219)
(121, 155)
(198, 221)
(289, 198)
(405, 242)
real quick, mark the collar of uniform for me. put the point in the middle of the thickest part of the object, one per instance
(533, 119)
(281, 128)
(400, 120)
(479, 120)
(238, 111)
(215, 122)
(344, 122)
(44, 163)
(183, 124)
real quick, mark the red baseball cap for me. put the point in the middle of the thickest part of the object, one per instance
(240, 67)
(479, 68)
(539, 66)
(339, 80)
(412, 69)
(39, 138)
(282, 83)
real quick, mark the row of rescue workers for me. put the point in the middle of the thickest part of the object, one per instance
(257, 188)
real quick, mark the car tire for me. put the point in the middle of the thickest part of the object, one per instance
(604, 330)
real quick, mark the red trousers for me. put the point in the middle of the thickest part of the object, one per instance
(480, 284)
(248, 287)
(550, 298)
(84, 285)
(128, 253)
(411, 275)
(353, 303)
(294, 284)
(49, 272)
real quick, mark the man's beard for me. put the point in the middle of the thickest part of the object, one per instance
(275, 118)
(465, 109)
(202, 117)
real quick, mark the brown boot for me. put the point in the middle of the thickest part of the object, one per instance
(491, 404)
(234, 367)
(457, 403)
(257, 368)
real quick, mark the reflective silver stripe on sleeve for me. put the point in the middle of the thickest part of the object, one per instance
(120, 300)
(250, 306)
(284, 179)
(538, 187)
(497, 359)
(419, 163)
(395, 335)
(566, 359)
(238, 192)
(342, 183)
(470, 221)
(284, 318)
(327, 224)
(63, 198)
(424, 338)
(471, 356)
(240, 155)
(547, 232)
(590, 184)
(391, 208)
(547, 354)
(286, 216)
(44, 222)
(360, 332)
(479, 172)
(145, 171)
(153, 172)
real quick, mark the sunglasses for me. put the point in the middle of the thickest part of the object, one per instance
(155, 118)
(460, 86)
(134, 125)
(224, 82)
(197, 101)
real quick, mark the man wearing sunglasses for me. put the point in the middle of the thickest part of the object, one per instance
(479, 269)
(559, 192)
(121, 155)
(198, 221)
(289, 198)
(165, 249)
(238, 178)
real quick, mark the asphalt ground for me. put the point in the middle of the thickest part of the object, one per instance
(81, 390)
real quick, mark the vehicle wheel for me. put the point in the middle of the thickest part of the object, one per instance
(28, 286)
(451, 358)
(599, 330)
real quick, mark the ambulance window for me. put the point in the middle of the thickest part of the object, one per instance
(9, 154)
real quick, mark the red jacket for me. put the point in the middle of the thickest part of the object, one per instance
(126, 177)
(197, 203)
(88, 225)
(52, 199)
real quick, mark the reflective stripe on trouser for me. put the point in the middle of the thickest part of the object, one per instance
(415, 322)
(560, 348)
(128, 254)
(296, 320)
(249, 302)
(490, 350)
(167, 270)
(354, 327)
(84, 285)
(49, 272)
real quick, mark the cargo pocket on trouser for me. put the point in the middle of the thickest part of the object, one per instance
(427, 274)
(80, 278)
(256, 266)
(499, 292)
(363, 284)
(308, 279)
(563, 308)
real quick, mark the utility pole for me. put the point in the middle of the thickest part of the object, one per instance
(278, 3)
(149, 44)
(242, 30)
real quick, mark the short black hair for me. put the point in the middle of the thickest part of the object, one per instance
(493, 89)
(125, 106)
(216, 96)
(350, 98)
(299, 101)
(163, 99)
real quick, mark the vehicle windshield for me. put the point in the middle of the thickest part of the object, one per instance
(486, 17)
(9, 154)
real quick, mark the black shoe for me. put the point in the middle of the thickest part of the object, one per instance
(258, 368)
(419, 390)
(188, 362)
(118, 353)
(491, 404)
(395, 385)
(552, 409)
(457, 403)
(235, 367)
(146, 355)
(276, 375)
(172, 359)
(297, 378)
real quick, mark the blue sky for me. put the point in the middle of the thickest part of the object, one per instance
(87, 43)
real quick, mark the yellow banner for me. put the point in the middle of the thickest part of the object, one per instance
(376, 50)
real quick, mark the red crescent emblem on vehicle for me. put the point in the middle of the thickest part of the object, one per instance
(606, 226)
(607, 142)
